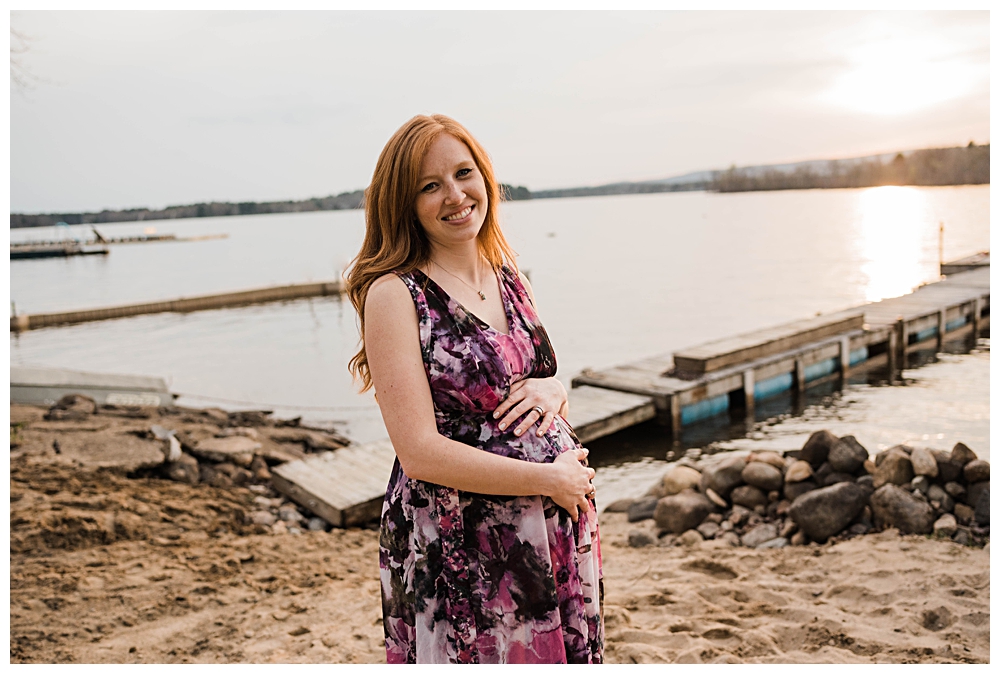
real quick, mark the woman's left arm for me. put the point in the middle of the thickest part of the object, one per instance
(547, 393)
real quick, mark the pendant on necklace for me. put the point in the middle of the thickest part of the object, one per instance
(482, 295)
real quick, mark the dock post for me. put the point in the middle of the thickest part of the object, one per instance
(675, 417)
(892, 354)
(800, 376)
(748, 382)
(845, 356)
(900, 330)
(941, 327)
(977, 310)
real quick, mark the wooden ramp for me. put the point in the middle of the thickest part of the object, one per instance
(345, 487)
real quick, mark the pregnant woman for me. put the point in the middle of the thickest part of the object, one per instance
(489, 547)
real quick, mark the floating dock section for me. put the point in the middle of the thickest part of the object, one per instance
(45, 386)
(698, 383)
(182, 305)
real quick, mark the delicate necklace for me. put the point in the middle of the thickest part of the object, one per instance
(482, 295)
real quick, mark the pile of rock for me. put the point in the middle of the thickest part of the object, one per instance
(830, 489)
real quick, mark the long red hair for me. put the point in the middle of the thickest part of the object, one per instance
(394, 239)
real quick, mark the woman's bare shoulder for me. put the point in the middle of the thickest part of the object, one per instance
(387, 292)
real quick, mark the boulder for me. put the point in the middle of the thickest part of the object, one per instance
(799, 538)
(642, 509)
(960, 453)
(739, 515)
(637, 538)
(847, 455)
(681, 512)
(819, 475)
(789, 528)
(238, 449)
(316, 524)
(763, 476)
(895, 468)
(773, 543)
(924, 463)
(975, 491)
(817, 447)
(935, 494)
(679, 479)
(824, 512)
(949, 471)
(867, 482)
(772, 458)
(796, 489)
(945, 526)
(895, 507)
(708, 529)
(963, 513)
(834, 478)
(263, 517)
(184, 469)
(798, 472)
(759, 534)
(690, 538)
(976, 470)
(955, 490)
(982, 512)
(724, 476)
(716, 499)
(619, 506)
(71, 407)
(748, 496)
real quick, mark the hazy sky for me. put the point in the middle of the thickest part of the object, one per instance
(156, 108)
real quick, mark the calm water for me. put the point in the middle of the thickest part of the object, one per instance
(616, 278)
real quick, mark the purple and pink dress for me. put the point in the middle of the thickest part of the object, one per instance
(476, 578)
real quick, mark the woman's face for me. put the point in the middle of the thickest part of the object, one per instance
(451, 193)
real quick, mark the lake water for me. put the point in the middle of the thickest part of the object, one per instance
(616, 278)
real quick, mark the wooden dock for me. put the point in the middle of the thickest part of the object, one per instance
(181, 305)
(702, 382)
(966, 263)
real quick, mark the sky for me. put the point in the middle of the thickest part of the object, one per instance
(149, 109)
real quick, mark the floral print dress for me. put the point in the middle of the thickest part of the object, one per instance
(474, 578)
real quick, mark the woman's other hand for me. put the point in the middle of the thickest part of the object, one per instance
(572, 482)
(525, 395)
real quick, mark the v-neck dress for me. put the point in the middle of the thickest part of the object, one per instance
(474, 578)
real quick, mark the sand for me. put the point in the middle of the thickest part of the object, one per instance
(108, 568)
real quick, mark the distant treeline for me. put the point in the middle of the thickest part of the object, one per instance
(943, 166)
(619, 188)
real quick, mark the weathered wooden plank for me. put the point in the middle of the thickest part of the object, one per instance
(966, 263)
(761, 343)
(596, 412)
(345, 487)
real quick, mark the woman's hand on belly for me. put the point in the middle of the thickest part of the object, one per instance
(572, 482)
(547, 393)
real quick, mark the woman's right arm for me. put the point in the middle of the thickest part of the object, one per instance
(392, 342)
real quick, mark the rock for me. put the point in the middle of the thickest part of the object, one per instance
(894, 469)
(184, 469)
(960, 453)
(679, 479)
(824, 512)
(714, 517)
(894, 506)
(690, 538)
(763, 476)
(949, 471)
(782, 508)
(955, 490)
(716, 499)
(241, 431)
(637, 538)
(666, 540)
(859, 529)
(798, 472)
(730, 538)
(963, 513)
(290, 513)
(262, 517)
(937, 619)
(681, 512)
(774, 496)
(772, 458)
(799, 538)
(973, 492)
(71, 407)
(982, 513)
(739, 515)
(835, 478)
(945, 526)
(867, 482)
(817, 447)
(788, 529)
(935, 494)
(656, 491)
(920, 483)
(279, 527)
(819, 475)
(238, 449)
(642, 509)
(259, 468)
(773, 543)
(759, 534)
(748, 496)
(316, 524)
(796, 489)
(847, 455)
(619, 506)
(726, 526)
(723, 477)
(209, 475)
(869, 467)
(976, 470)
(708, 529)
(924, 463)
(962, 537)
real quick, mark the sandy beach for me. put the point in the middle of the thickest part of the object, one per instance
(110, 568)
